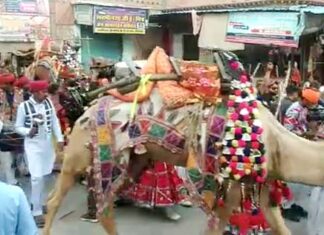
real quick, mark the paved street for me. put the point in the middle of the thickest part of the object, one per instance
(131, 221)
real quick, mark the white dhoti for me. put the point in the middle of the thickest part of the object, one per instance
(40, 155)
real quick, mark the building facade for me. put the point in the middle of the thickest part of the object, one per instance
(21, 23)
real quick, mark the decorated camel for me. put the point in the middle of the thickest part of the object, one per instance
(46, 65)
(235, 145)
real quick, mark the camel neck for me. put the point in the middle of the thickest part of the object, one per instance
(291, 158)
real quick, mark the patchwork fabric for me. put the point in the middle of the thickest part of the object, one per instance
(103, 153)
(150, 129)
(215, 129)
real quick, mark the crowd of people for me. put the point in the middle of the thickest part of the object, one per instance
(301, 112)
(31, 114)
(33, 109)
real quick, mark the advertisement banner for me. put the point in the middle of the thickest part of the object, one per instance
(21, 6)
(266, 28)
(115, 20)
(23, 28)
(36, 7)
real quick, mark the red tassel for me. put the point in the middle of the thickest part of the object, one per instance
(220, 202)
(247, 205)
(276, 196)
(258, 221)
(242, 221)
(287, 193)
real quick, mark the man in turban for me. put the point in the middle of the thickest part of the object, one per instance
(9, 101)
(36, 121)
(295, 118)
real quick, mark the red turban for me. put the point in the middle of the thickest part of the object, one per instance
(22, 82)
(7, 78)
(36, 86)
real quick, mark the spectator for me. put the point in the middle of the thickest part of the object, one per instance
(269, 95)
(37, 122)
(15, 214)
(292, 96)
(295, 118)
(9, 100)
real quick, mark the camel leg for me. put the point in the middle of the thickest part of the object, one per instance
(107, 219)
(273, 216)
(65, 182)
(223, 214)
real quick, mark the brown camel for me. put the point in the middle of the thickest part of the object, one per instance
(290, 158)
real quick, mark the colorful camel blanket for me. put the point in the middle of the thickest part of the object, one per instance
(102, 153)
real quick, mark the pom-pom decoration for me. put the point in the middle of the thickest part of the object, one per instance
(243, 147)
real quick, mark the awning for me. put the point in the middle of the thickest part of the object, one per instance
(222, 9)
(112, 4)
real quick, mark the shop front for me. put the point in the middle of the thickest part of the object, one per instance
(103, 33)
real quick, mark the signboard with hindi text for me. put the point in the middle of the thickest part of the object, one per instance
(25, 7)
(21, 6)
(266, 28)
(114, 20)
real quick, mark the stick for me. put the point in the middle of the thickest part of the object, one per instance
(130, 80)
(254, 73)
(67, 214)
(283, 88)
(256, 69)
(128, 88)
(250, 69)
(175, 66)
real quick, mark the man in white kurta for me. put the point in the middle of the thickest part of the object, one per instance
(37, 121)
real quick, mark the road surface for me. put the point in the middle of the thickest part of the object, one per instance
(130, 220)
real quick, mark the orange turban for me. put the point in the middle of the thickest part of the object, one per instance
(311, 95)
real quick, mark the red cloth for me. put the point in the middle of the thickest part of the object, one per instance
(7, 78)
(21, 82)
(36, 86)
(158, 186)
(296, 77)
